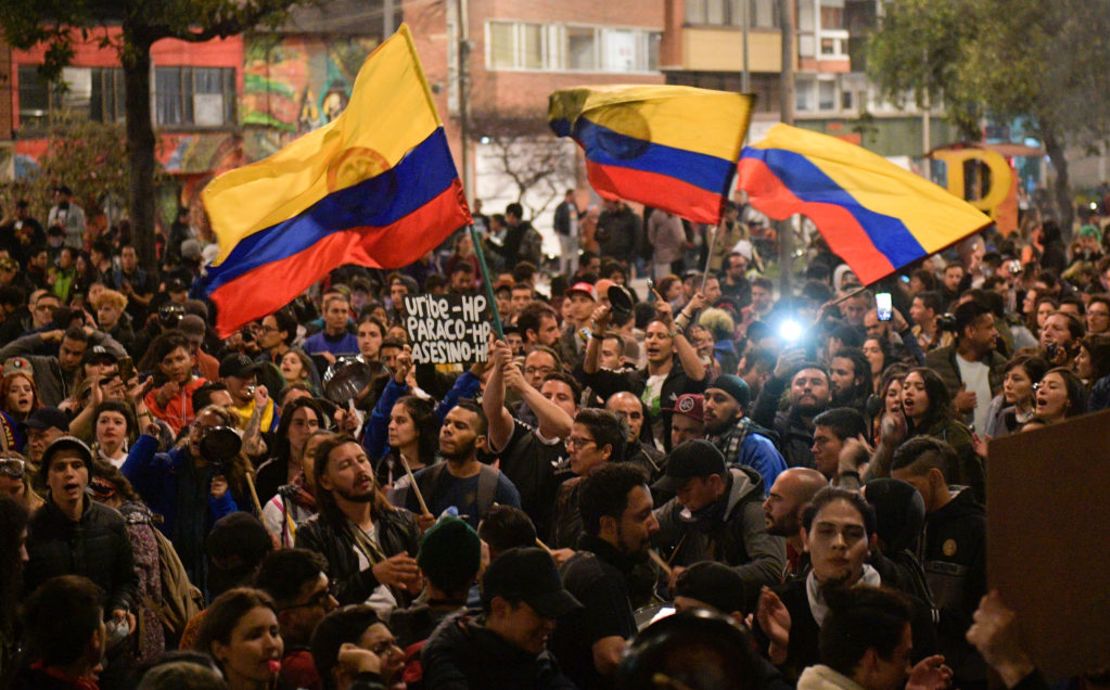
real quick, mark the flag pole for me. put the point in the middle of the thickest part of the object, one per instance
(486, 281)
(709, 257)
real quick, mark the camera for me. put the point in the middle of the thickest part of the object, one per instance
(169, 315)
(946, 322)
(220, 445)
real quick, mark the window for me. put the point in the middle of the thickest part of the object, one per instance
(803, 95)
(846, 99)
(581, 51)
(557, 47)
(826, 95)
(762, 14)
(194, 96)
(88, 94)
(502, 47)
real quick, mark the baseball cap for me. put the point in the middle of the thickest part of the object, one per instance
(99, 354)
(47, 418)
(690, 405)
(715, 584)
(585, 288)
(18, 365)
(65, 443)
(528, 575)
(239, 365)
(734, 386)
(176, 285)
(696, 458)
(192, 325)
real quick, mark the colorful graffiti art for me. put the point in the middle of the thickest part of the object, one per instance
(295, 84)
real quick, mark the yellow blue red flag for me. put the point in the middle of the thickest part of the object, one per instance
(668, 147)
(875, 215)
(376, 187)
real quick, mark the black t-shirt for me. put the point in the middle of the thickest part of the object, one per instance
(530, 464)
(597, 577)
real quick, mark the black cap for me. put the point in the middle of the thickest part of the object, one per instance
(528, 575)
(176, 285)
(47, 418)
(697, 458)
(65, 443)
(239, 365)
(99, 353)
(714, 584)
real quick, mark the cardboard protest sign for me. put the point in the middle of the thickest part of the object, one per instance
(448, 328)
(1048, 540)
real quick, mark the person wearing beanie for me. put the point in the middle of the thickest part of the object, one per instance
(74, 535)
(716, 515)
(741, 440)
(450, 556)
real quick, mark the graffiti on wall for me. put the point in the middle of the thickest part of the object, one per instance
(294, 84)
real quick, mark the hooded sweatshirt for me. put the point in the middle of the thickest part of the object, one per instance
(731, 531)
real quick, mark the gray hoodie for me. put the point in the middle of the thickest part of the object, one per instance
(731, 531)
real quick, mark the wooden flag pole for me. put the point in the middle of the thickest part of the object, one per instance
(709, 257)
(416, 489)
(487, 282)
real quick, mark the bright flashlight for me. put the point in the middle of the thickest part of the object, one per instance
(790, 330)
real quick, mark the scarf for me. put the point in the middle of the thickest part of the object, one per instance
(816, 596)
(730, 441)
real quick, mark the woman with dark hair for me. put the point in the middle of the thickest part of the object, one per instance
(299, 420)
(1060, 395)
(888, 398)
(297, 367)
(111, 488)
(1092, 364)
(1014, 406)
(114, 430)
(295, 502)
(929, 412)
(13, 554)
(877, 352)
(240, 631)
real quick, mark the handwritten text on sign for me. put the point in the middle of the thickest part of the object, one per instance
(447, 328)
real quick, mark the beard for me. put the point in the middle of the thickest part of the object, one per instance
(810, 409)
(355, 497)
(460, 454)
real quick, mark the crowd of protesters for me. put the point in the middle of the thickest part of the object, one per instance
(801, 478)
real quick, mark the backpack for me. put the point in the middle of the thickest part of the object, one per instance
(487, 484)
(181, 600)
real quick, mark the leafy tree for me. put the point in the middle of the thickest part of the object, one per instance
(57, 24)
(1005, 59)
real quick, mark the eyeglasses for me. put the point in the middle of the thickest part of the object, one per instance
(13, 467)
(317, 600)
(579, 442)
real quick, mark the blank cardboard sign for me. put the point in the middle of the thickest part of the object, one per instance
(1048, 540)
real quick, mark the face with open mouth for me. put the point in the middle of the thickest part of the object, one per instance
(67, 476)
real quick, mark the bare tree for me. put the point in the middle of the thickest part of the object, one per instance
(525, 152)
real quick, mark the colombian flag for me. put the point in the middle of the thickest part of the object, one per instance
(668, 147)
(376, 187)
(873, 214)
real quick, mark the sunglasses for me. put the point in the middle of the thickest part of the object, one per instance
(13, 467)
(102, 491)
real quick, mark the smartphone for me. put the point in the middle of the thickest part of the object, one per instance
(126, 369)
(884, 306)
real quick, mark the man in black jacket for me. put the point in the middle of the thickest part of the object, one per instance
(953, 552)
(65, 635)
(618, 524)
(505, 646)
(369, 544)
(808, 397)
(74, 535)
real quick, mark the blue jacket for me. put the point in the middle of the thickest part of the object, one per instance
(174, 487)
(376, 436)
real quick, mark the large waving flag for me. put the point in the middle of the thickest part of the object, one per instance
(873, 214)
(376, 187)
(669, 147)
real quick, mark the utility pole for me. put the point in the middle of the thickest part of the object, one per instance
(464, 95)
(387, 19)
(746, 75)
(786, 109)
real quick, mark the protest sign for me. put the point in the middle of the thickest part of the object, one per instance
(447, 328)
(1047, 533)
